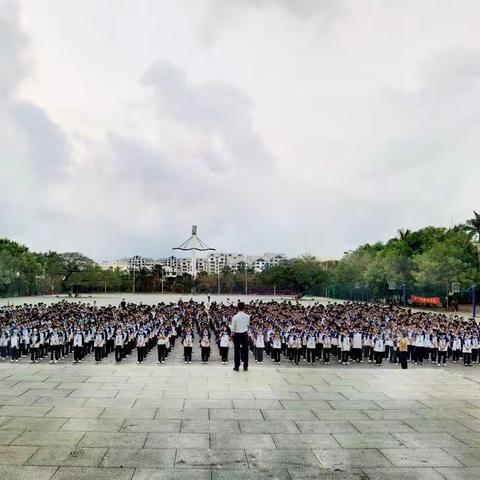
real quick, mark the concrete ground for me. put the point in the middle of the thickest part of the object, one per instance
(176, 421)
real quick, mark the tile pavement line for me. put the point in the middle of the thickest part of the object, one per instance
(80, 439)
(103, 458)
(36, 450)
(456, 458)
(436, 470)
(388, 460)
(459, 439)
(335, 438)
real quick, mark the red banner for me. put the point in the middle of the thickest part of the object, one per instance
(435, 301)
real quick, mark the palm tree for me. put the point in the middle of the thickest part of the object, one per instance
(472, 228)
(403, 234)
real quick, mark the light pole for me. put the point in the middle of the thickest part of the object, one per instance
(246, 281)
(133, 286)
(218, 280)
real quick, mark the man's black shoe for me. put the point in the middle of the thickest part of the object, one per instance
(236, 369)
(245, 369)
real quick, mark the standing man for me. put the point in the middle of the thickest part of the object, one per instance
(240, 323)
(403, 351)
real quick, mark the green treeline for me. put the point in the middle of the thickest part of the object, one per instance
(428, 261)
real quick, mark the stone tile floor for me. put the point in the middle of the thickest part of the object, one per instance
(173, 421)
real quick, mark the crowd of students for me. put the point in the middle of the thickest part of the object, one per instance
(341, 333)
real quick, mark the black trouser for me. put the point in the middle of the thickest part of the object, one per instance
(161, 352)
(98, 354)
(77, 353)
(187, 353)
(433, 354)
(240, 344)
(379, 357)
(474, 355)
(172, 341)
(318, 350)
(224, 353)
(455, 355)
(33, 354)
(297, 353)
(357, 354)
(467, 358)
(54, 352)
(403, 360)
(345, 355)
(310, 355)
(442, 357)
(267, 348)
(326, 355)
(205, 354)
(276, 354)
(392, 354)
(259, 354)
(140, 354)
(118, 353)
(14, 352)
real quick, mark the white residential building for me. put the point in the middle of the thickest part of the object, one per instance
(215, 262)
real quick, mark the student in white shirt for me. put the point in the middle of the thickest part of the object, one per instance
(276, 348)
(467, 351)
(187, 344)
(379, 349)
(456, 347)
(442, 351)
(311, 347)
(205, 345)
(119, 342)
(345, 347)
(77, 346)
(224, 344)
(54, 347)
(161, 342)
(14, 346)
(98, 344)
(357, 345)
(259, 346)
(141, 342)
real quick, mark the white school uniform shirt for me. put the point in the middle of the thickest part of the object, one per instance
(14, 341)
(140, 340)
(277, 343)
(260, 341)
(188, 342)
(224, 340)
(327, 342)
(419, 341)
(467, 346)
(78, 340)
(357, 340)
(119, 340)
(99, 340)
(205, 342)
(345, 343)
(456, 344)
(311, 342)
(379, 345)
(54, 339)
(442, 345)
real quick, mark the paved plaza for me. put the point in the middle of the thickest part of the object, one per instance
(175, 421)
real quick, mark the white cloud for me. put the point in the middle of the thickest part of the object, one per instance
(300, 126)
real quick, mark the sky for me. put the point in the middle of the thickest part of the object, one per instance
(306, 126)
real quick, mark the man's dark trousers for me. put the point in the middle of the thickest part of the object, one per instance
(240, 344)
